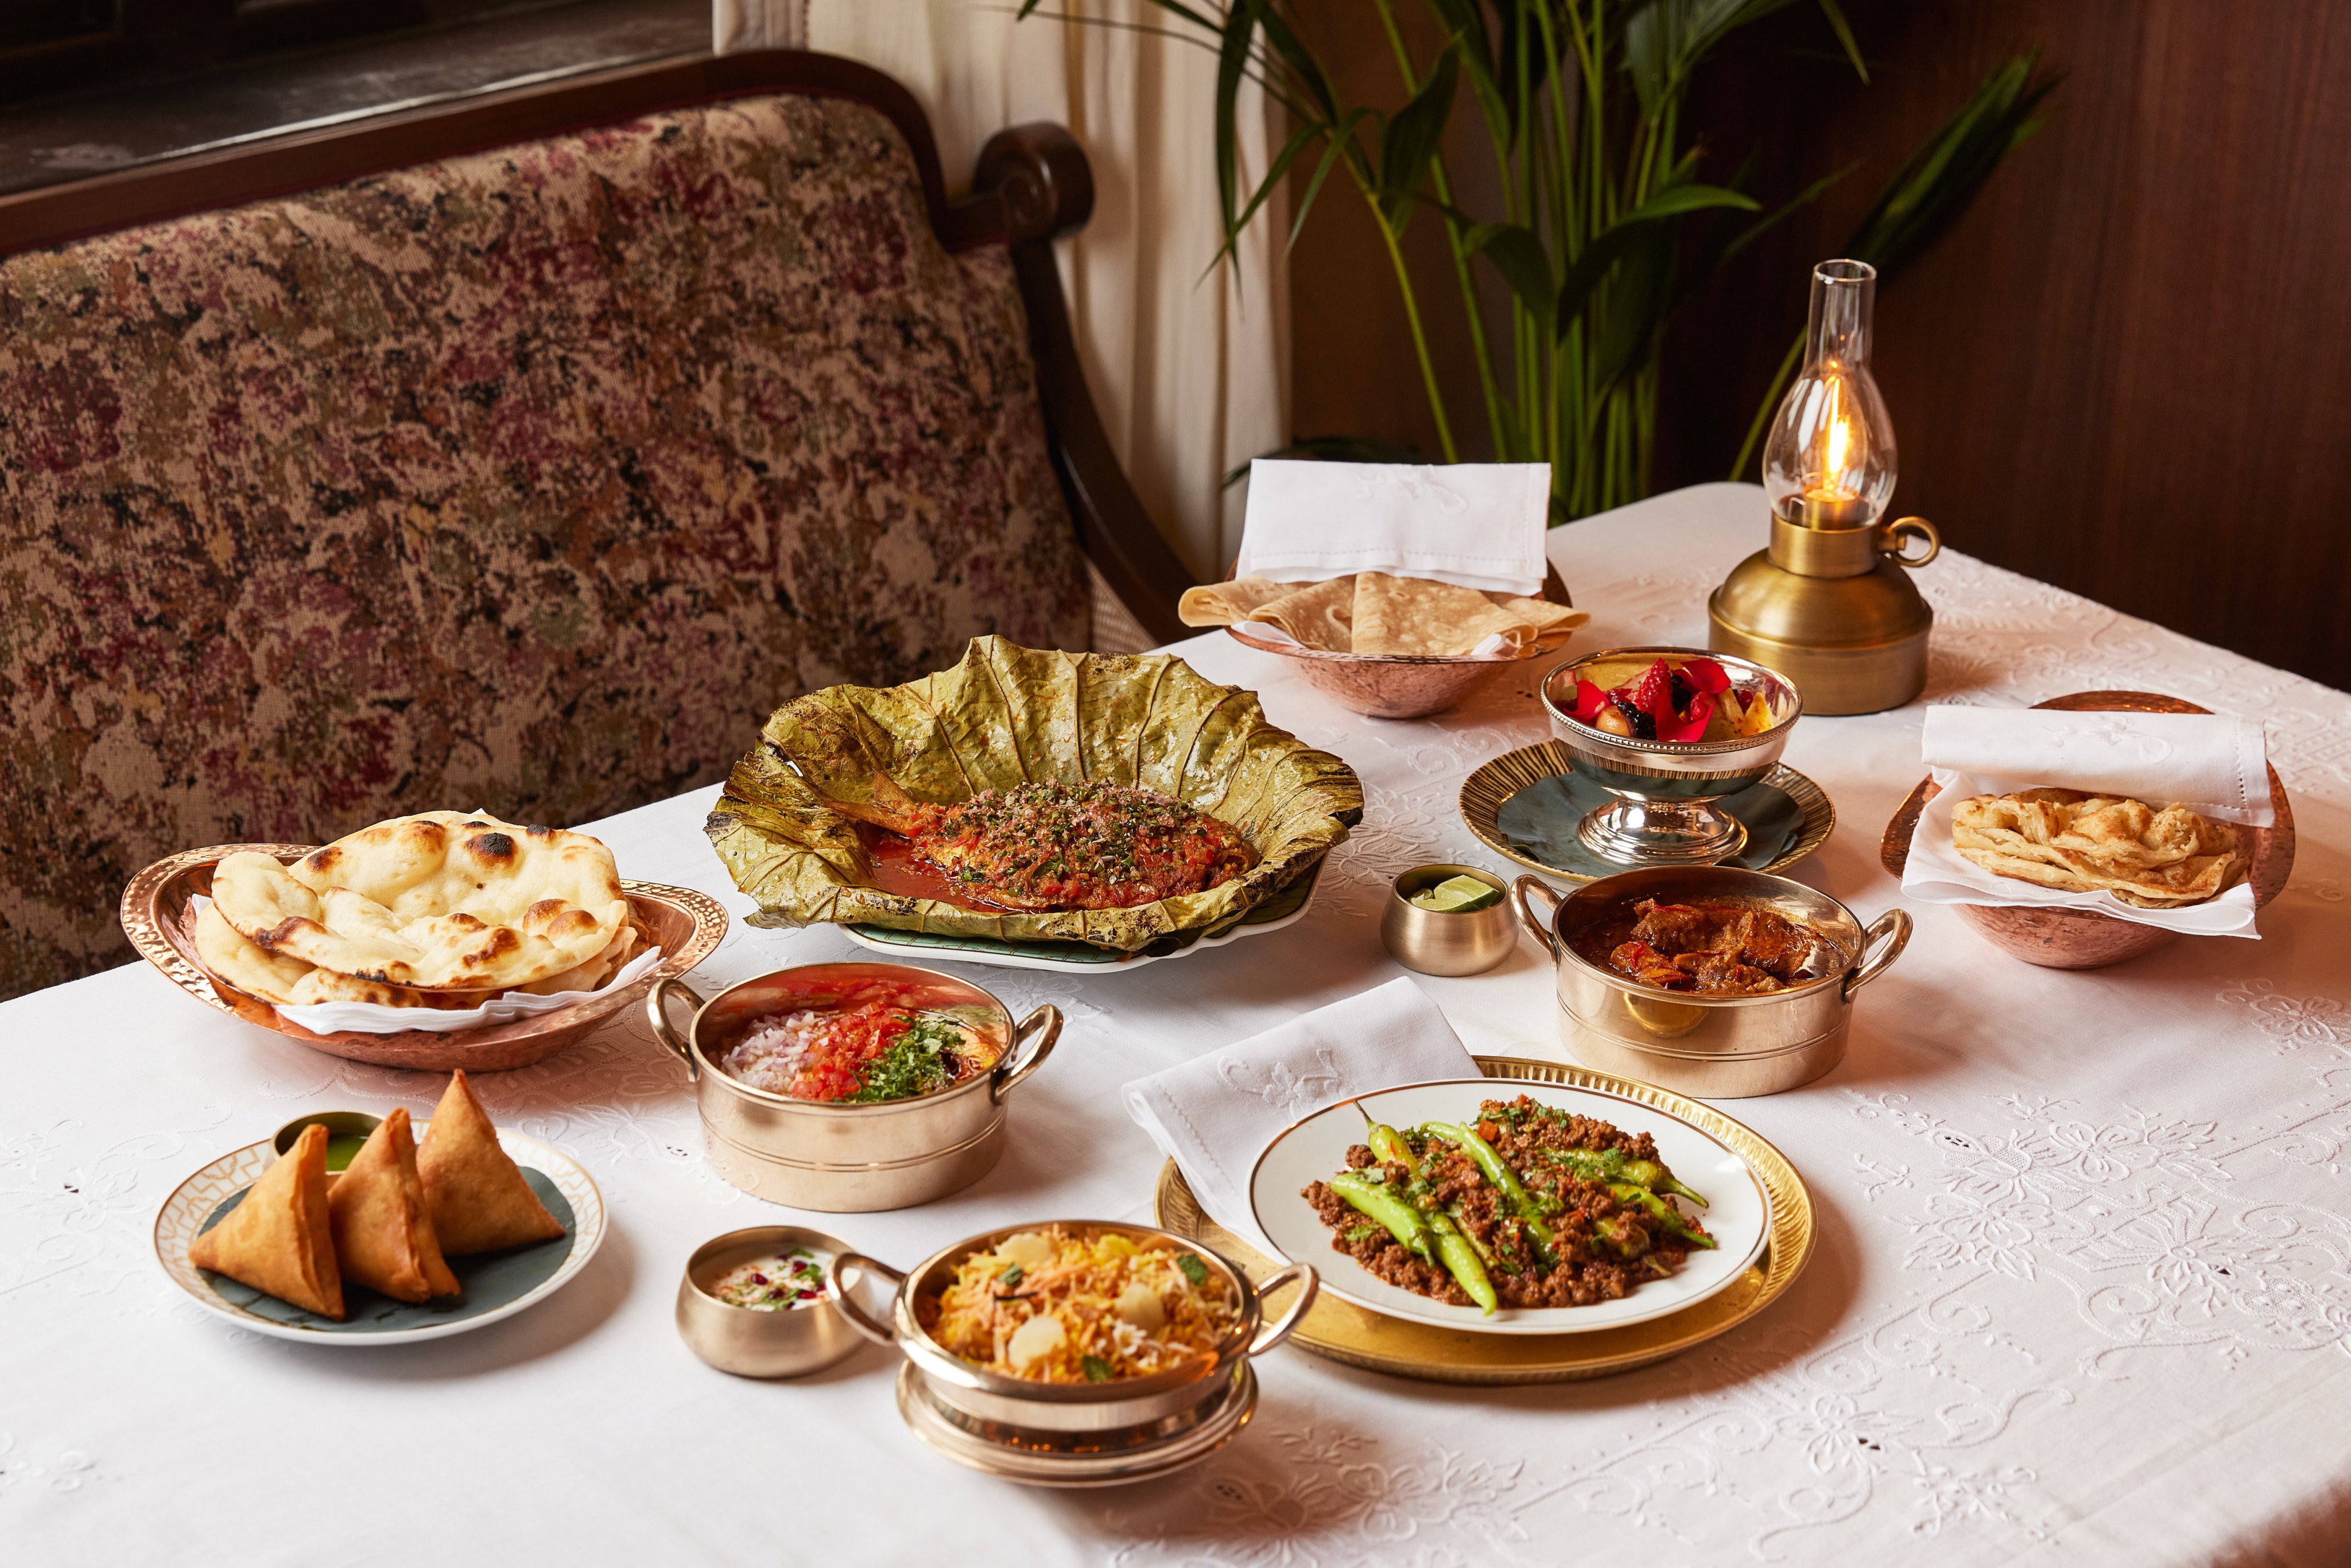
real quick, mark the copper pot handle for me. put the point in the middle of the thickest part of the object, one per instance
(1309, 1284)
(844, 1296)
(1891, 928)
(1915, 529)
(658, 1016)
(1524, 892)
(1045, 1021)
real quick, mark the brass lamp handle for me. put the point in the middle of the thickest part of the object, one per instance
(1911, 528)
(658, 1014)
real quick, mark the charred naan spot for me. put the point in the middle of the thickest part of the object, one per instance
(571, 923)
(502, 942)
(497, 849)
(546, 909)
(323, 860)
(461, 921)
(293, 926)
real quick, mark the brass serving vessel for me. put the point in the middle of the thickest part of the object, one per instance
(1832, 608)
(837, 1158)
(1724, 1048)
(1048, 1459)
(1438, 942)
(1342, 1331)
(1109, 1411)
(791, 1341)
(1666, 790)
(158, 916)
(2058, 938)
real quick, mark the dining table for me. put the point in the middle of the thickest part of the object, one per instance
(2079, 1292)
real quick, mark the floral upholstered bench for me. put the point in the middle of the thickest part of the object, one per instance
(520, 459)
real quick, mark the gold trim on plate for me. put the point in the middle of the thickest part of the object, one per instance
(1342, 1331)
(1495, 780)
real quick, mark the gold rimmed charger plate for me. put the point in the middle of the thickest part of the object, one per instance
(1483, 792)
(1345, 1332)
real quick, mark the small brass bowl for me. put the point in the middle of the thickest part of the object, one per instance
(339, 1124)
(1463, 943)
(790, 1342)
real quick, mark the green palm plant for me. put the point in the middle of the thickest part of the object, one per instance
(1605, 227)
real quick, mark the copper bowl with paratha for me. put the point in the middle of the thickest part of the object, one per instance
(1404, 653)
(159, 915)
(2057, 938)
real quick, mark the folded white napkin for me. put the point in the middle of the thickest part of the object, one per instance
(1479, 525)
(2214, 764)
(1215, 1114)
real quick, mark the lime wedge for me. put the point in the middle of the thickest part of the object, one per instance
(1457, 895)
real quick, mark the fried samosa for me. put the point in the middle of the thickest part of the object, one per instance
(384, 1233)
(280, 1239)
(478, 1195)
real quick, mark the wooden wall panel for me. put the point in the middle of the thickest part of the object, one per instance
(2127, 371)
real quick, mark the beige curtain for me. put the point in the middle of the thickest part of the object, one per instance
(1188, 367)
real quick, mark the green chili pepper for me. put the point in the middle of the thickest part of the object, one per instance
(1497, 1170)
(1661, 1210)
(1376, 1203)
(1453, 1248)
(1620, 1234)
(1610, 1166)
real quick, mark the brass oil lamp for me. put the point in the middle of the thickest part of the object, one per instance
(1830, 603)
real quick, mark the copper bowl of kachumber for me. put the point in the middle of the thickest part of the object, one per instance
(770, 1067)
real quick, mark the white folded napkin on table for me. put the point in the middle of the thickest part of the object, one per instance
(1478, 525)
(2215, 765)
(1215, 1114)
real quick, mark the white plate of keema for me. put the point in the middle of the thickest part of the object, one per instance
(502, 1199)
(1594, 1208)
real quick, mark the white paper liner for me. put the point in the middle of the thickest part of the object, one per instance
(1938, 873)
(373, 1017)
(2215, 765)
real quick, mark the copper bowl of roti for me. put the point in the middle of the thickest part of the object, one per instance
(440, 912)
(1385, 646)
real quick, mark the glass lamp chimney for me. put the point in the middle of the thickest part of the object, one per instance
(1829, 460)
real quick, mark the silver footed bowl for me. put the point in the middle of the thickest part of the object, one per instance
(1665, 810)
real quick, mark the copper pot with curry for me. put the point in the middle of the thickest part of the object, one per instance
(1709, 981)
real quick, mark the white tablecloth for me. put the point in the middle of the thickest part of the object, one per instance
(2080, 1296)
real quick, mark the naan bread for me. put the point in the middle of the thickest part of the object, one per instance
(280, 1239)
(476, 1194)
(593, 974)
(440, 901)
(232, 958)
(2076, 842)
(384, 1233)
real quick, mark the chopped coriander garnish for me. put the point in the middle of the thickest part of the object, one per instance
(1011, 1275)
(1192, 1268)
(1097, 1370)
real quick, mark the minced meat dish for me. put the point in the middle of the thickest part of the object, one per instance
(1527, 1207)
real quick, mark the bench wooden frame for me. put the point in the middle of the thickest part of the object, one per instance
(1032, 185)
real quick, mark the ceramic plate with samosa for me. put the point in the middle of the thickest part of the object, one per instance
(242, 1268)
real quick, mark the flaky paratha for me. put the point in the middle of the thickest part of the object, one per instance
(2077, 843)
(443, 901)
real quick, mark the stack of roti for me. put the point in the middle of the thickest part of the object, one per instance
(2079, 842)
(1375, 614)
(438, 910)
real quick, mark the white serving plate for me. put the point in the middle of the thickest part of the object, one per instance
(1315, 1149)
(183, 1213)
